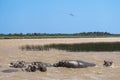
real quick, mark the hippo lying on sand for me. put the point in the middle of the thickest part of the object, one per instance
(21, 64)
(73, 64)
(41, 66)
(33, 68)
(42, 63)
(30, 66)
(18, 64)
(107, 63)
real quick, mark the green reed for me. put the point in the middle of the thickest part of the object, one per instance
(77, 47)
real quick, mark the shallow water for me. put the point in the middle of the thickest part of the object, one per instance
(9, 51)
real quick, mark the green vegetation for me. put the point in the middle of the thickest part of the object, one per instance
(46, 35)
(101, 46)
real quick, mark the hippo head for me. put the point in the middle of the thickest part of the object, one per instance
(12, 64)
(59, 64)
(107, 63)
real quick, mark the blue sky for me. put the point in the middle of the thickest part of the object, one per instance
(53, 16)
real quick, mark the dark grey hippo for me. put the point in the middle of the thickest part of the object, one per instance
(74, 64)
(42, 63)
(41, 66)
(18, 64)
(21, 64)
(107, 63)
(34, 67)
(30, 66)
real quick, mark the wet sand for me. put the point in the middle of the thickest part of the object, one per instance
(9, 51)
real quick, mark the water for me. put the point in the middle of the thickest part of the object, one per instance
(9, 51)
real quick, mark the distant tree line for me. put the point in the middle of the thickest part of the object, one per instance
(93, 33)
(56, 35)
(47, 34)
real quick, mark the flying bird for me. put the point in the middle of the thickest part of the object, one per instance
(71, 14)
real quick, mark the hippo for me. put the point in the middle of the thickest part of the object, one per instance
(21, 64)
(34, 67)
(41, 66)
(42, 63)
(18, 64)
(30, 66)
(74, 64)
(107, 63)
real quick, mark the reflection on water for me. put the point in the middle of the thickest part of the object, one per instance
(96, 73)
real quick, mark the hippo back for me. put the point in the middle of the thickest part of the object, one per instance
(74, 64)
(83, 64)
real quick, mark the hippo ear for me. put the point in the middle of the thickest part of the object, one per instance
(11, 63)
(104, 61)
(111, 62)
